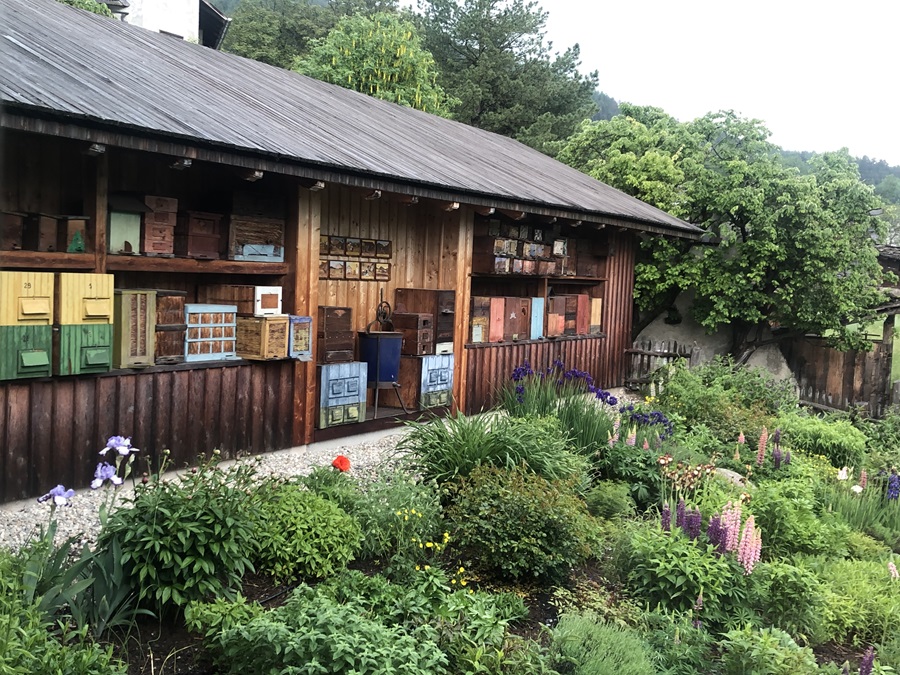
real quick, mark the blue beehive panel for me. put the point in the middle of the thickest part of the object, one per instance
(342, 384)
(300, 338)
(437, 373)
(537, 318)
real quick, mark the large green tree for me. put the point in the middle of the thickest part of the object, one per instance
(382, 56)
(788, 252)
(493, 59)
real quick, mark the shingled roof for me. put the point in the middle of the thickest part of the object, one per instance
(64, 64)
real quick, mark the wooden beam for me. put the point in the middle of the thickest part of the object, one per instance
(96, 198)
(485, 210)
(141, 263)
(514, 215)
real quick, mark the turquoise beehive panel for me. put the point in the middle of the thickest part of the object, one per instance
(437, 373)
(537, 318)
(342, 383)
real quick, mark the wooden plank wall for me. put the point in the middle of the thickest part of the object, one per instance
(831, 379)
(490, 365)
(618, 306)
(52, 430)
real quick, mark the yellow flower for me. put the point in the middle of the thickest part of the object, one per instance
(427, 567)
(429, 544)
(453, 581)
(462, 569)
(417, 568)
(405, 517)
(463, 582)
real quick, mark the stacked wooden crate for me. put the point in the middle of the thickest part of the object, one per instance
(158, 226)
(342, 393)
(26, 324)
(418, 333)
(134, 318)
(198, 234)
(441, 304)
(262, 328)
(334, 335)
(509, 248)
(83, 331)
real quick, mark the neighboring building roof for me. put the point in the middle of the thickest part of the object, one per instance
(79, 68)
(213, 25)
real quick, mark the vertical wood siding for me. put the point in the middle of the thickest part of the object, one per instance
(52, 430)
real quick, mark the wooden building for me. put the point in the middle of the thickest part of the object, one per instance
(180, 169)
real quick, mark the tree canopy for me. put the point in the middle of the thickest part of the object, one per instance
(382, 56)
(787, 251)
(493, 60)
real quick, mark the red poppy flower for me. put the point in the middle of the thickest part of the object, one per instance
(341, 463)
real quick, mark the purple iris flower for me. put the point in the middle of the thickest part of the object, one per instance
(105, 472)
(120, 444)
(59, 495)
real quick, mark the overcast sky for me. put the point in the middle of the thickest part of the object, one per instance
(822, 75)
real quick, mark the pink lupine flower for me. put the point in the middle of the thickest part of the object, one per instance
(761, 453)
(632, 437)
(750, 546)
(892, 568)
(646, 444)
(731, 524)
(863, 479)
(741, 439)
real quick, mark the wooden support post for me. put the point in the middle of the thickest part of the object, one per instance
(302, 292)
(96, 196)
(463, 284)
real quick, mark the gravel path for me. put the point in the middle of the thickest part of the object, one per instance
(19, 521)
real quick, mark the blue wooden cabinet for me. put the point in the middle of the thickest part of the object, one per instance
(342, 393)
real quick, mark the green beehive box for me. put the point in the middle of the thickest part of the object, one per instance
(25, 351)
(82, 349)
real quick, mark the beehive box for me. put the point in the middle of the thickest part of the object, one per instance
(80, 349)
(255, 238)
(583, 314)
(134, 313)
(440, 303)
(83, 299)
(123, 233)
(26, 298)
(40, 232)
(342, 393)
(426, 381)
(262, 337)
(556, 315)
(12, 225)
(250, 300)
(516, 319)
(418, 334)
(198, 234)
(211, 332)
(71, 235)
(170, 326)
(300, 338)
(596, 327)
(25, 351)
(335, 340)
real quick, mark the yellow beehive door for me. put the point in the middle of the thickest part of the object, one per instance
(84, 299)
(26, 298)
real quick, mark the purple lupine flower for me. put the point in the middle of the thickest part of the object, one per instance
(893, 486)
(665, 517)
(868, 662)
(59, 495)
(698, 603)
(693, 523)
(105, 472)
(680, 513)
(777, 457)
(787, 457)
(714, 530)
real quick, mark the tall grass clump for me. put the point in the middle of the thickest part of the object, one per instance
(582, 645)
(529, 392)
(441, 450)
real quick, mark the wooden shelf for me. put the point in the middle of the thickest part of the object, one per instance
(46, 260)
(139, 263)
(539, 277)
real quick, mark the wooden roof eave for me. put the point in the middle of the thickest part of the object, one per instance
(42, 121)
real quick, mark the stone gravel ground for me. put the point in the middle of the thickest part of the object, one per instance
(19, 521)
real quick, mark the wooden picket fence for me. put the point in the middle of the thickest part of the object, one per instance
(649, 356)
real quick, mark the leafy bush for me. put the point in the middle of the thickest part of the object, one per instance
(301, 534)
(26, 643)
(518, 525)
(768, 651)
(583, 646)
(187, 538)
(682, 646)
(669, 570)
(838, 440)
(396, 512)
(609, 499)
(441, 450)
(790, 598)
(211, 618)
(724, 397)
(311, 630)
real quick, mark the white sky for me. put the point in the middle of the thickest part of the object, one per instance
(822, 75)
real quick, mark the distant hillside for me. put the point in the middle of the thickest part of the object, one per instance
(878, 173)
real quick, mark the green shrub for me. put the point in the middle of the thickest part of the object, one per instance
(396, 512)
(441, 450)
(767, 651)
(187, 538)
(208, 619)
(312, 631)
(838, 440)
(609, 499)
(301, 534)
(583, 646)
(518, 525)
(669, 570)
(682, 647)
(790, 598)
